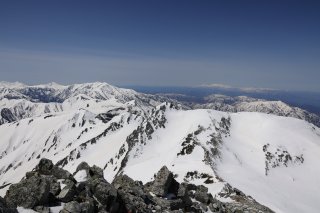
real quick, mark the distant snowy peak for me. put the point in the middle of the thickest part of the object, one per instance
(97, 90)
(11, 85)
(52, 85)
(21, 101)
(248, 104)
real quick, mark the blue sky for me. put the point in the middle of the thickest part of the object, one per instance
(243, 43)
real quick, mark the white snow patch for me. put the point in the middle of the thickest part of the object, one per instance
(81, 176)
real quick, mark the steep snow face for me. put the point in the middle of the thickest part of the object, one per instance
(187, 143)
(275, 160)
(248, 104)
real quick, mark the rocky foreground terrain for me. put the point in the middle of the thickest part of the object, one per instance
(48, 188)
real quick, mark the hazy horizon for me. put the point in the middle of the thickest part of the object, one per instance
(251, 44)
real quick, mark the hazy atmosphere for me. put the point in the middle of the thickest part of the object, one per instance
(162, 43)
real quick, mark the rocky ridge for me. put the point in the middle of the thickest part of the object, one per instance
(48, 186)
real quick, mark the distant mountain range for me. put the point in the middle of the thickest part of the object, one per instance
(309, 101)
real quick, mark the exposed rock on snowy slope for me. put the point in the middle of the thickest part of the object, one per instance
(248, 104)
(273, 159)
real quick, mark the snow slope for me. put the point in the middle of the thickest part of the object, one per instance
(287, 188)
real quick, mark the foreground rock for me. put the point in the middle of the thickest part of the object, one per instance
(87, 191)
(4, 208)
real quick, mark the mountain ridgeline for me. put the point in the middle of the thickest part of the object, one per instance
(110, 149)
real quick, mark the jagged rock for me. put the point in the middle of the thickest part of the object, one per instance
(83, 192)
(46, 167)
(67, 193)
(176, 204)
(41, 189)
(164, 204)
(71, 207)
(83, 166)
(88, 206)
(104, 192)
(38, 188)
(92, 172)
(2, 203)
(164, 183)
(125, 183)
(201, 194)
(131, 194)
(29, 193)
(4, 208)
(243, 202)
(7, 115)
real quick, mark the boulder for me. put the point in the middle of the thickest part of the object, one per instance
(46, 167)
(131, 195)
(83, 191)
(29, 193)
(71, 207)
(126, 184)
(67, 193)
(202, 195)
(2, 203)
(88, 206)
(92, 172)
(104, 192)
(4, 207)
(164, 183)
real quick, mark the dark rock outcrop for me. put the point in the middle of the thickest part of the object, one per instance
(164, 184)
(7, 115)
(30, 192)
(40, 190)
(5, 209)
(68, 192)
(46, 167)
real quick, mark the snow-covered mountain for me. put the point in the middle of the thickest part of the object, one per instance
(18, 101)
(248, 104)
(271, 159)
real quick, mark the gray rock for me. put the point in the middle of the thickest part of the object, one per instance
(71, 207)
(7, 115)
(103, 191)
(92, 172)
(88, 206)
(131, 195)
(29, 193)
(67, 193)
(2, 203)
(164, 183)
(4, 208)
(83, 166)
(125, 183)
(202, 195)
(46, 167)
(176, 204)
(84, 191)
